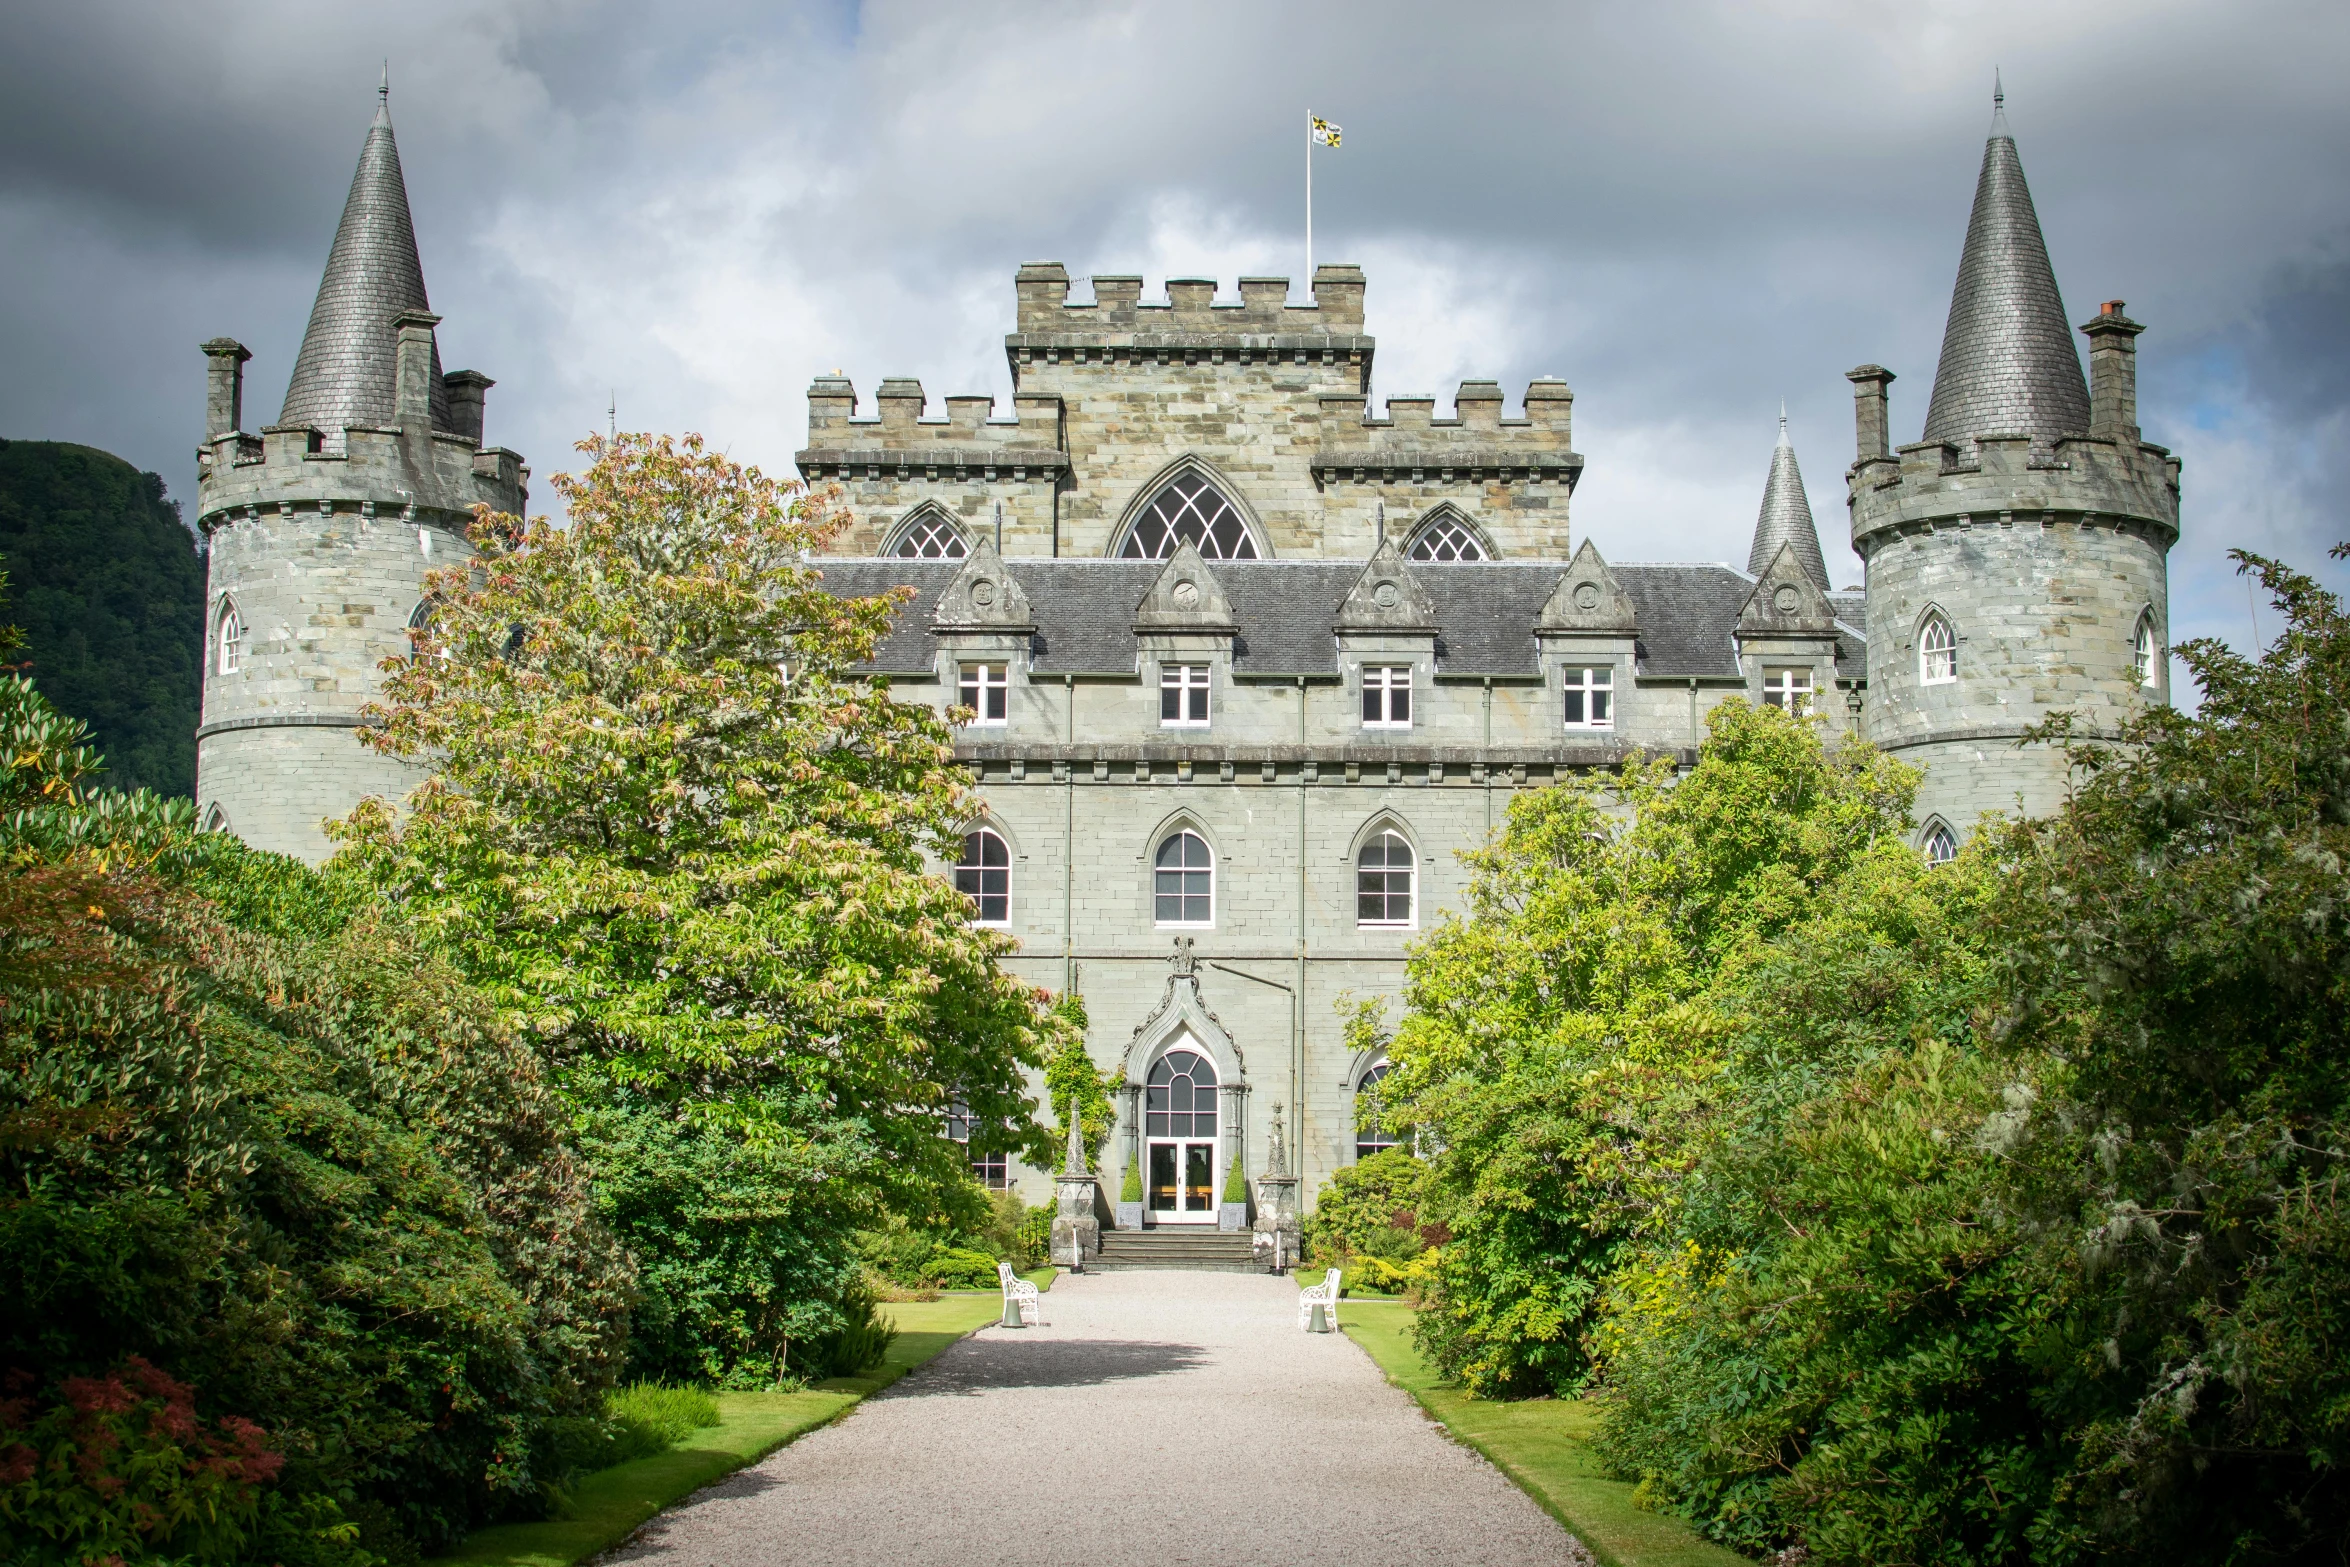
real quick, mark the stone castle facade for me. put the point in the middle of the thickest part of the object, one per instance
(1248, 665)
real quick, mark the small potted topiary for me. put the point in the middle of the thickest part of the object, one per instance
(1232, 1213)
(1130, 1198)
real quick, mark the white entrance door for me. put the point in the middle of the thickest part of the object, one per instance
(1179, 1134)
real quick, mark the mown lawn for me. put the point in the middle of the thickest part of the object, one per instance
(1541, 1444)
(614, 1503)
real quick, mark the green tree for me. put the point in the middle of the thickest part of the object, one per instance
(1557, 1039)
(110, 594)
(687, 847)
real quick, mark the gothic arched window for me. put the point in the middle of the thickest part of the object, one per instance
(928, 533)
(2143, 651)
(1444, 534)
(1385, 871)
(1370, 1136)
(216, 819)
(1183, 880)
(1937, 652)
(1940, 845)
(229, 639)
(984, 875)
(1188, 509)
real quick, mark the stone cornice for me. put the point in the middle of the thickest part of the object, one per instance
(930, 462)
(1445, 464)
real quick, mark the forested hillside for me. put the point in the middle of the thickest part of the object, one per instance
(105, 581)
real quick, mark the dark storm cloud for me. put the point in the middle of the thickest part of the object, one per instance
(1690, 212)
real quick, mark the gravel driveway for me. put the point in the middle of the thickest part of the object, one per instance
(1155, 1417)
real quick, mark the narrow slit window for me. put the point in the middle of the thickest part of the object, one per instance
(1387, 696)
(986, 690)
(2143, 652)
(1590, 697)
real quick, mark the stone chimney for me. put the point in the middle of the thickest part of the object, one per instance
(1872, 436)
(2113, 374)
(224, 386)
(413, 380)
(468, 391)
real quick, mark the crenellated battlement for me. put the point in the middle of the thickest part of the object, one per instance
(1118, 309)
(899, 434)
(1476, 441)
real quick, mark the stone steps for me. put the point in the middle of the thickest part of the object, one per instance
(1194, 1250)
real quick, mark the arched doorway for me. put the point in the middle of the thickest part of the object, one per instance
(1179, 1136)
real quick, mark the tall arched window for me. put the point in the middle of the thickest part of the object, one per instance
(1385, 872)
(1370, 1136)
(927, 533)
(1940, 845)
(1179, 1137)
(1445, 535)
(1937, 652)
(984, 875)
(229, 639)
(1189, 510)
(1183, 880)
(2143, 651)
(216, 819)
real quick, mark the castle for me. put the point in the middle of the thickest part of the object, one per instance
(1247, 664)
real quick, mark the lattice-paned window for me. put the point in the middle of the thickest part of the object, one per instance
(2143, 651)
(229, 639)
(1180, 1098)
(1789, 690)
(986, 690)
(1386, 874)
(992, 1170)
(930, 535)
(1941, 844)
(1370, 1136)
(1183, 696)
(1445, 537)
(1590, 696)
(1183, 880)
(984, 875)
(1189, 510)
(1937, 652)
(1387, 696)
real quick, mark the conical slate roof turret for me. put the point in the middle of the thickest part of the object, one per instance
(1786, 517)
(2008, 365)
(346, 372)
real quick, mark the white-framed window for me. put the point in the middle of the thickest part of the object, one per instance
(991, 1170)
(2144, 652)
(1183, 880)
(1789, 690)
(1445, 536)
(1937, 652)
(229, 639)
(1386, 880)
(1370, 1136)
(984, 875)
(1940, 844)
(1189, 509)
(1183, 696)
(1387, 696)
(216, 819)
(1590, 696)
(928, 534)
(986, 690)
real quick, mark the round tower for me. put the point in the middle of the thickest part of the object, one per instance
(321, 527)
(2017, 555)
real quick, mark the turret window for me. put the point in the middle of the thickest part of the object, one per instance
(1937, 652)
(1189, 510)
(2143, 652)
(229, 639)
(1940, 845)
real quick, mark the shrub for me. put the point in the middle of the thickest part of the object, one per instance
(955, 1268)
(1371, 1207)
(862, 1339)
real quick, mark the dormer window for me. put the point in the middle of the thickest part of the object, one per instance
(1387, 696)
(1590, 696)
(1789, 690)
(1183, 696)
(986, 690)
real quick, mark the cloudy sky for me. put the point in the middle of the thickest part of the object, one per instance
(1688, 211)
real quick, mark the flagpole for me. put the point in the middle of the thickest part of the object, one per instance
(1309, 203)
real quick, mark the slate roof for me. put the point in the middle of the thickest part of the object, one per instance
(1786, 517)
(1084, 609)
(347, 371)
(2008, 363)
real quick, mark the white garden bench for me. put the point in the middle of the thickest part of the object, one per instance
(1325, 1295)
(1020, 1294)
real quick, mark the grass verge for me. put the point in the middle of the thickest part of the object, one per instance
(612, 1504)
(1542, 1444)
